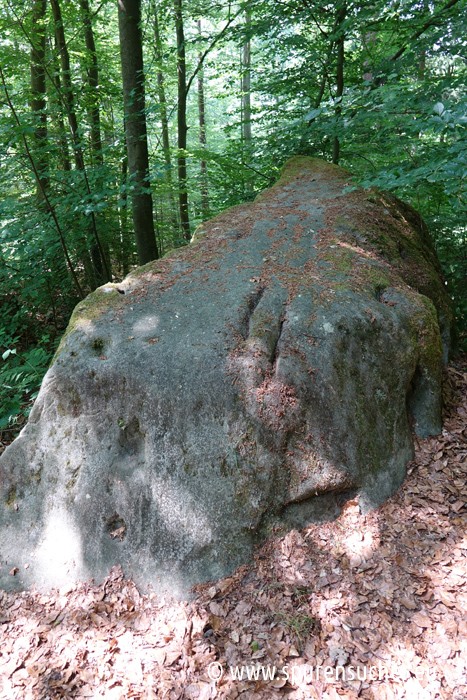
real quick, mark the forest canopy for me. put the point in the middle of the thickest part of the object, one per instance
(125, 124)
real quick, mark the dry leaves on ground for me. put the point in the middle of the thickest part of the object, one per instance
(377, 600)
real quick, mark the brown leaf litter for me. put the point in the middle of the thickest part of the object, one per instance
(368, 606)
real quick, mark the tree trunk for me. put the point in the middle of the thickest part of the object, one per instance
(202, 138)
(341, 15)
(38, 94)
(93, 82)
(124, 249)
(131, 54)
(161, 92)
(246, 136)
(246, 88)
(57, 114)
(164, 121)
(92, 70)
(66, 86)
(181, 121)
(100, 270)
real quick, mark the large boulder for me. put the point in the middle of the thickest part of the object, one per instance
(259, 376)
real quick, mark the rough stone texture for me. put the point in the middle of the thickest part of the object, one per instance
(259, 376)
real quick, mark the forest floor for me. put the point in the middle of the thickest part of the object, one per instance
(376, 600)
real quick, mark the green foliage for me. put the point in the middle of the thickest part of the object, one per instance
(424, 162)
(401, 123)
(20, 377)
(451, 245)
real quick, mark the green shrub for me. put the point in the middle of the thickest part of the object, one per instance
(21, 373)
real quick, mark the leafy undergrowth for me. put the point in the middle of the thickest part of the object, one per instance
(378, 600)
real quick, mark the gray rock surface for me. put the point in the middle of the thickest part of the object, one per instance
(260, 376)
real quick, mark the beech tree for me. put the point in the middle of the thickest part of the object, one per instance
(341, 13)
(92, 71)
(98, 271)
(182, 126)
(38, 93)
(131, 56)
(165, 131)
(202, 137)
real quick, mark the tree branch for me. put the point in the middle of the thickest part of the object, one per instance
(209, 49)
(313, 17)
(432, 21)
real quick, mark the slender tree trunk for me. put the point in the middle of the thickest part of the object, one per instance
(246, 136)
(341, 15)
(246, 88)
(131, 54)
(93, 82)
(202, 139)
(325, 76)
(39, 155)
(181, 121)
(38, 94)
(65, 93)
(56, 113)
(125, 247)
(161, 92)
(66, 87)
(164, 120)
(101, 272)
(92, 69)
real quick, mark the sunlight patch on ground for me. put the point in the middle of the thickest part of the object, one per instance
(360, 546)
